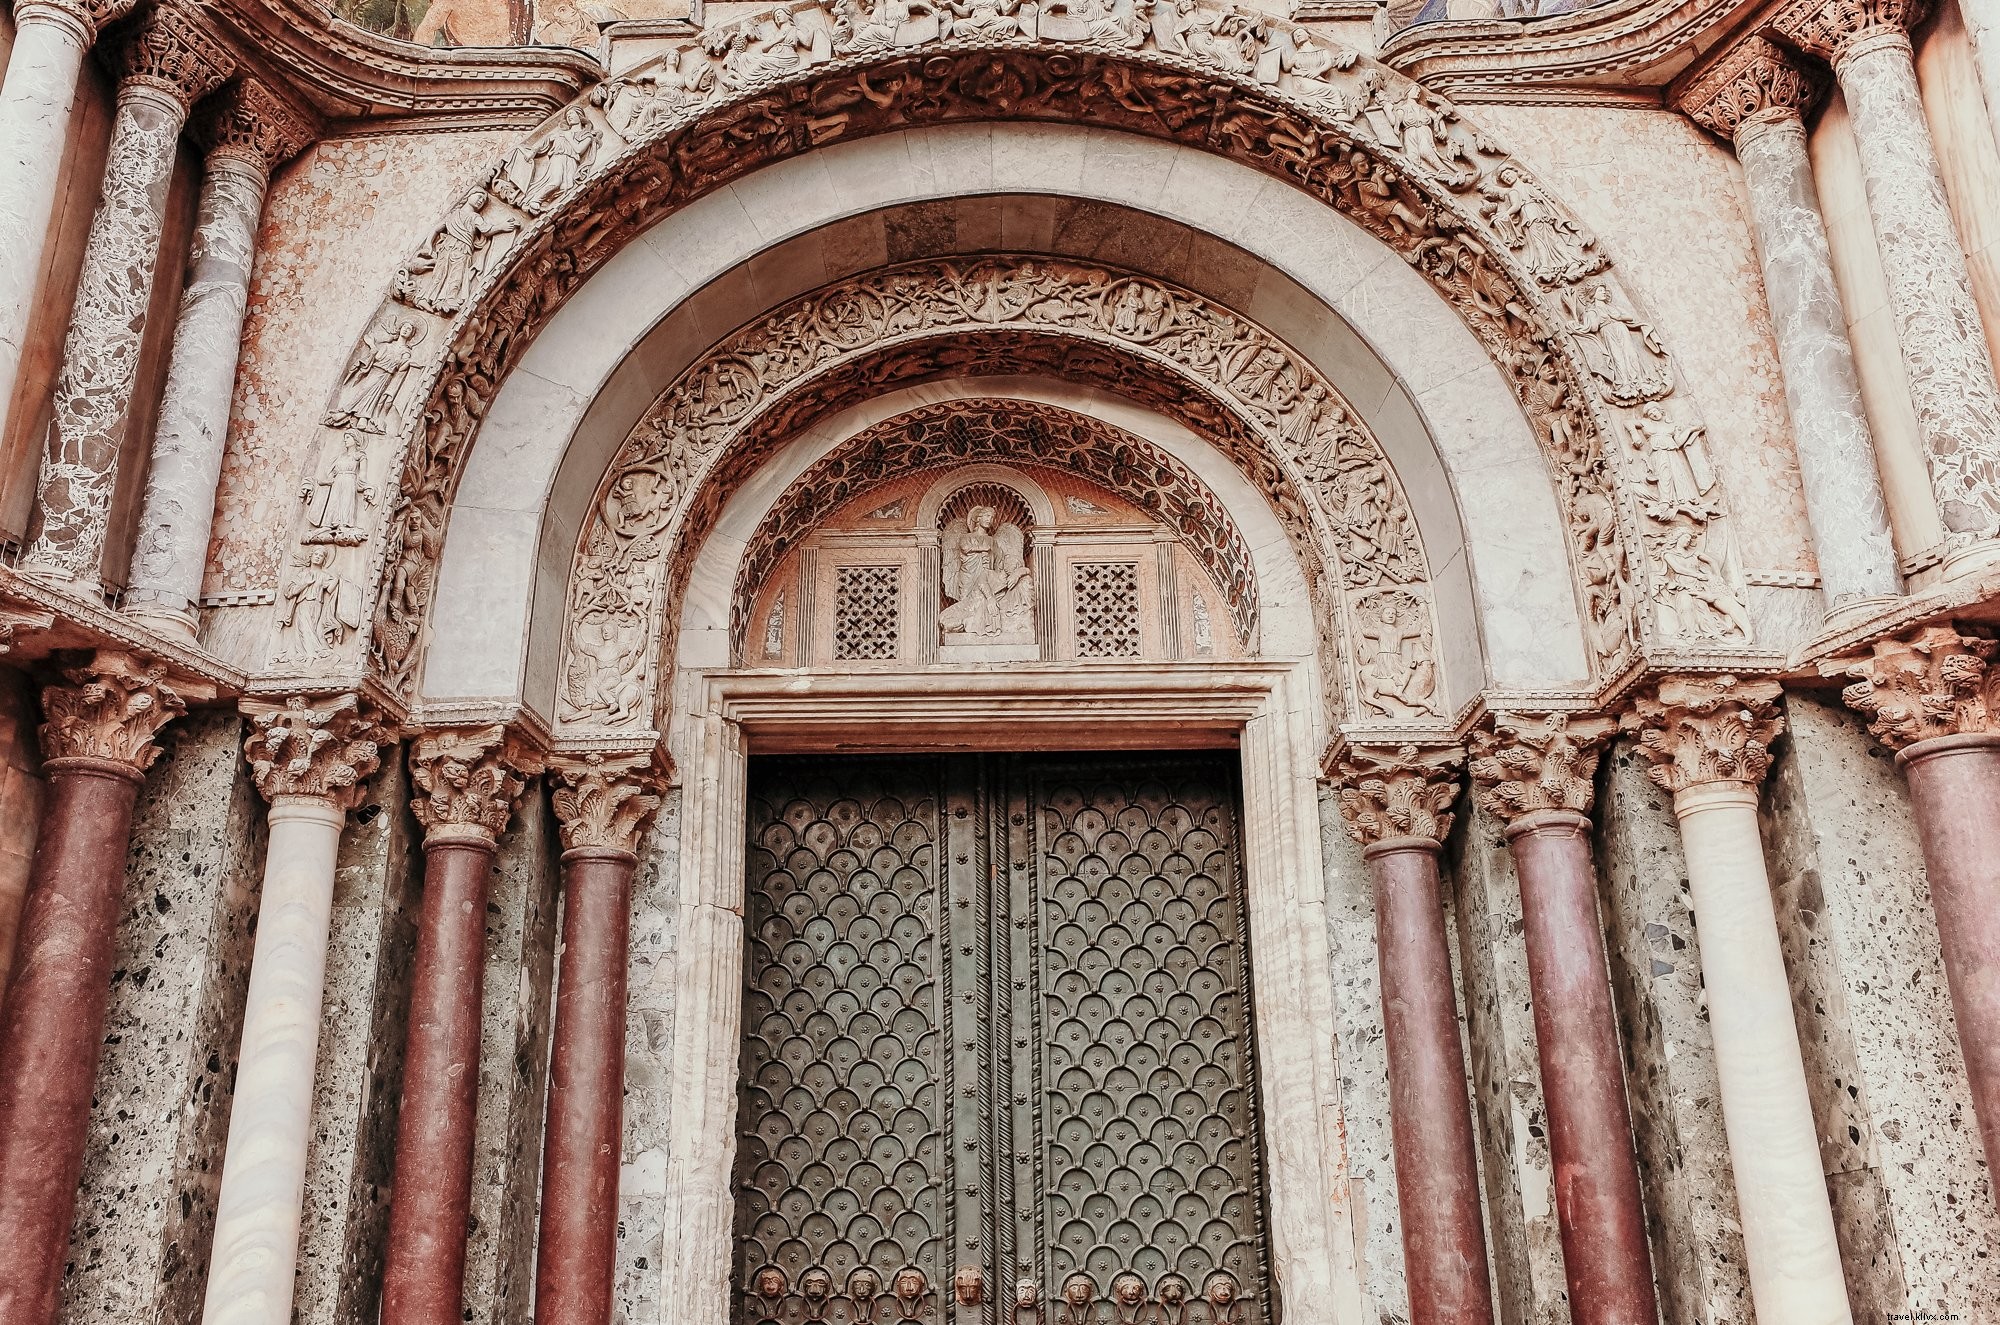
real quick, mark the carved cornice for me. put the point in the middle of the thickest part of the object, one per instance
(170, 49)
(1696, 730)
(1754, 80)
(1404, 792)
(252, 124)
(110, 709)
(323, 750)
(1529, 763)
(1834, 30)
(1930, 682)
(469, 779)
(603, 801)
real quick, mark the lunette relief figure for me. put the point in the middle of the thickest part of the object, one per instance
(372, 388)
(1623, 352)
(1554, 247)
(1397, 676)
(441, 276)
(334, 501)
(986, 580)
(533, 177)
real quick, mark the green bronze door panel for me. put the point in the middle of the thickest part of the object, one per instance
(996, 1027)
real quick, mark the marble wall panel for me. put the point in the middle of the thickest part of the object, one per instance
(1509, 1116)
(649, 1065)
(521, 915)
(1694, 271)
(1912, 1199)
(1656, 985)
(358, 1080)
(160, 1112)
(1364, 1067)
(1948, 80)
(20, 806)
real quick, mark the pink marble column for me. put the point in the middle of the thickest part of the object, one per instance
(96, 744)
(1397, 805)
(1535, 774)
(603, 804)
(468, 780)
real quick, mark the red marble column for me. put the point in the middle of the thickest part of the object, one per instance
(96, 743)
(1605, 1257)
(1430, 1113)
(1955, 796)
(573, 1270)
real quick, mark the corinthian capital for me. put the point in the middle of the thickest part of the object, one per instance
(469, 779)
(323, 750)
(170, 48)
(605, 800)
(1931, 682)
(1525, 764)
(1834, 29)
(86, 17)
(1702, 729)
(1755, 80)
(254, 125)
(111, 710)
(1405, 792)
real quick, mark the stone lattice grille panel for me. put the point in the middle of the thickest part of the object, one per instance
(867, 612)
(1106, 596)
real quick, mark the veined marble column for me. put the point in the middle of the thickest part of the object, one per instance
(1755, 96)
(1536, 775)
(249, 132)
(1397, 804)
(467, 782)
(96, 745)
(309, 760)
(1708, 739)
(169, 63)
(1930, 696)
(1944, 350)
(36, 93)
(603, 803)
(1982, 25)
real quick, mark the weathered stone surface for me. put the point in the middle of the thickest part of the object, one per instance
(649, 1045)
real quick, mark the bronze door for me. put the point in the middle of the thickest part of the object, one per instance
(997, 1065)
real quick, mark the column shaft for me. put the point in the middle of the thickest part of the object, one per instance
(424, 1274)
(574, 1264)
(1955, 796)
(52, 1027)
(1982, 25)
(1850, 523)
(107, 323)
(264, 1166)
(35, 99)
(1944, 351)
(186, 463)
(1598, 1206)
(1788, 1233)
(1430, 1115)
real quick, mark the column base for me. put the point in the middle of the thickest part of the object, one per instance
(165, 621)
(1854, 611)
(1970, 559)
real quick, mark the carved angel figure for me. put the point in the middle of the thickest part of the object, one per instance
(370, 391)
(443, 272)
(546, 171)
(986, 579)
(1554, 247)
(1624, 354)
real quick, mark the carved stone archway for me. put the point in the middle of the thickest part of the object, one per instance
(1527, 278)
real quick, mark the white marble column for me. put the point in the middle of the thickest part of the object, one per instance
(1982, 24)
(1708, 739)
(50, 37)
(1754, 96)
(249, 133)
(1944, 351)
(309, 760)
(169, 63)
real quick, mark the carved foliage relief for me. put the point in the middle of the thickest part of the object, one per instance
(1527, 278)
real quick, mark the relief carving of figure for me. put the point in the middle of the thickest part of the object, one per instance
(441, 276)
(316, 611)
(1079, 1301)
(335, 499)
(968, 1286)
(1623, 352)
(1224, 1307)
(533, 177)
(1424, 134)
(771, 48)
(1027, 1302)
(864, 1290)
(1397, 676)
(1695, 597)
(1173, 1305)
(373, 385)
(1555, 248)
(1128, 1299)
(912, 1290)
(816, 1287)
(987, 18)
(770, 1289)
(986, 580)
(606, 675)
(1677, 460)
(644, 102)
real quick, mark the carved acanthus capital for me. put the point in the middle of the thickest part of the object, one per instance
(254, 125)
(469, 778)
(1834, 30)
(605, 800)
(1931, 682)
(110, 709)
(1701, 729)
(323, 749)
(169, 48)
(1756, 80)
(84, 17)
(1524, 764)
(1404, 792)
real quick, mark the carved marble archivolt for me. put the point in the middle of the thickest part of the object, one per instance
(1527, 278)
